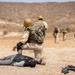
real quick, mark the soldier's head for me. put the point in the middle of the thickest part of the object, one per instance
(40, 18)
(28, 22)
(32, 63)
(56, 26)
(64, 28)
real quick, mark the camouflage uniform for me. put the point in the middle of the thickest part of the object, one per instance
(56, 34)
(32, 45)
(42, 22)
(64, 34)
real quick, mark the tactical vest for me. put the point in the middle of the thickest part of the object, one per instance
(37, 33)
(56, 30)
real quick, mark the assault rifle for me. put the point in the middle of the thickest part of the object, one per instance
(67, 68)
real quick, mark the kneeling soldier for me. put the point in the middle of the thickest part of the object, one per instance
(32, 39)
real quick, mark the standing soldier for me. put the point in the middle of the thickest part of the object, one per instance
(56, 34)
(42, 22)
(64, 34)
(33, 40)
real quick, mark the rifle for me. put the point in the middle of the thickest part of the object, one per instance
(67, 68)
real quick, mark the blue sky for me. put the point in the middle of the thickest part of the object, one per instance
(35, 0)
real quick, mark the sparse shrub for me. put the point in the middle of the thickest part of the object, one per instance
(10, 20)
(68, 29)
(5, 32)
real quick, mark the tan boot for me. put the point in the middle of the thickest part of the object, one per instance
(43, 61)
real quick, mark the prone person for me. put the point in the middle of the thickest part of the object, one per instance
(18, 60)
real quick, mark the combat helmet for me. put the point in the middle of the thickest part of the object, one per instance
(56, 26)
(28, 22)
(40, 18)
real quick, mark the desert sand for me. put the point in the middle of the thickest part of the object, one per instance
(57, 55)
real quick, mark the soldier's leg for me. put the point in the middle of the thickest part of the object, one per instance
(38, 51)
(64, 37)
(7, 60)
(57, 37)
(54, 37)
(39, 57)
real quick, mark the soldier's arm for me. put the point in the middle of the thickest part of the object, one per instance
(46, 25)
(25, 37)
(22, 41)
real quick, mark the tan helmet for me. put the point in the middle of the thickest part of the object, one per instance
(56, 26)
(40, 18)
(28, 22)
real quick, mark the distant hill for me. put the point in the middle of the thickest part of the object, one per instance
(13, 14)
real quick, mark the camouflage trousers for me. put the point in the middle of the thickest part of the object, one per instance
(38, 52)
(56, 37)
(64, 37)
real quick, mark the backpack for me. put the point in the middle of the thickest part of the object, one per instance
(37, 33)
(56, 30)
(64, 32)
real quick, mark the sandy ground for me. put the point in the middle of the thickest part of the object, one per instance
(58, 56)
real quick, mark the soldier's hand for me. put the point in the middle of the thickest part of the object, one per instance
(14, 48)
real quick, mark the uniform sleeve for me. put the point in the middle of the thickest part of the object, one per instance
(25, 37)
(46, 25)
(58, 29)
(18, 64)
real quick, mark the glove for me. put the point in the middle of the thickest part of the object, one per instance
(19, 46)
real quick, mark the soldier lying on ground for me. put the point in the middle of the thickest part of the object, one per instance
(18, 60)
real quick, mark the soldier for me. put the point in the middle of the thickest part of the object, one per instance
(56, 33)
(64, 34)
(32, 40)
(42, 22)
(18, 60)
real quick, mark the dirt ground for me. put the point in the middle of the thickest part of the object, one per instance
(58, 56)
